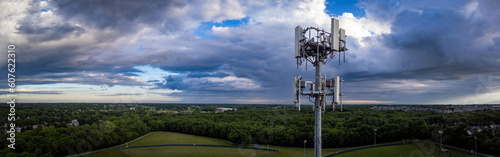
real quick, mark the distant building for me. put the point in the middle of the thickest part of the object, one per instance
(132, 108)
(222, 109)
(73, 122)
(469, 132)
(473, 129)
(18, 129)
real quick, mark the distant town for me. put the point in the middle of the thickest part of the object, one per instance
(439, 108)
(112, 107)
(451, 109)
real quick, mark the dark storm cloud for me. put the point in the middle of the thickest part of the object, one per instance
(422, 91)
(111, 19)
(81, 78)
(452, 71)
(232, 60)
(428, 42)
(66, 63)
(435, 51)
(497, 41)
(123, 15)
(66, 58)
(174, 82)
(39, 34)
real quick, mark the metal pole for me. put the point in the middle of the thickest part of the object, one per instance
(441, 145)
(317, 109)
(305, 148)
(375, 137)
(441, 142)
(475, 145)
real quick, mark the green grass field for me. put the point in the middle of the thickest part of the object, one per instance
(176, 138)
(156, 138)
(108, 153)
(397, 150)
(299, 152)
(196, 151)
(416, 149)
(451, 151)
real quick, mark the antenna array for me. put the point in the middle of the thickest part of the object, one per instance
(315, 45)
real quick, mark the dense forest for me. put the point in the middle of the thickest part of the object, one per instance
(105, 125)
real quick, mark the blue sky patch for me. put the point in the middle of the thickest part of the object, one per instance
(205, 28)
(338, 7)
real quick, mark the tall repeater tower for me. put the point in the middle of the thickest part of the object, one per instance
(317, 46)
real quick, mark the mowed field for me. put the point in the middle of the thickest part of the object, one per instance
(158, 138)
(417, 149)
(108, 153)
(196, 151)
(396, 150)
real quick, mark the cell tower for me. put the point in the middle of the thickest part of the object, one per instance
(316, 48)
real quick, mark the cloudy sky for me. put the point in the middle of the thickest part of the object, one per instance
(401, 52)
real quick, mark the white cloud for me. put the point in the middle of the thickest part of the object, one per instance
(361, 27)
(234, 82)
(228, 83)
(470, 9)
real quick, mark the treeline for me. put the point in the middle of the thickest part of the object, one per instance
(275, 125)
(62, 141)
